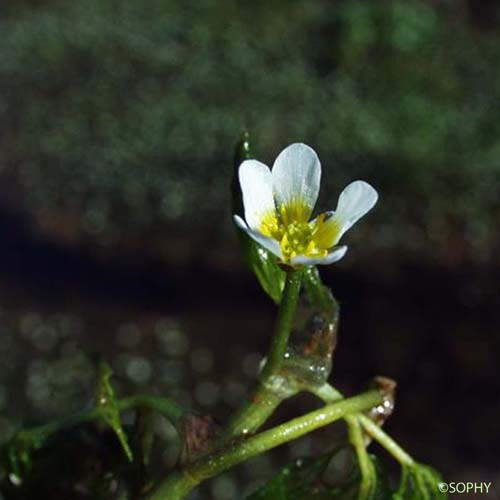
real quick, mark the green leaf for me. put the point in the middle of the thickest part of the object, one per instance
(263, 263)
(295, 481)
(143, 435)
(108, 407)
(419, 482)
(18, 454)
(328, 477)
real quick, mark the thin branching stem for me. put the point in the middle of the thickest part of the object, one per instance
(329, 394)
(164, 406)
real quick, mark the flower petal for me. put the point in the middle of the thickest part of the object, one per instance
(296, 177)
(356, 200)
(336, 254)
(268, 243)
(257, 189)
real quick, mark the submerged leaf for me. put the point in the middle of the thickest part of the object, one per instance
(18, 453)
(419, 482)
(332, 477)
(108, 407)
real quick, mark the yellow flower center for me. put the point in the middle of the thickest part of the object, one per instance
(296, 235)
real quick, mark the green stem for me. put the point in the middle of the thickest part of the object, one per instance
(179, 484)
(167, 408)
(172, 411)
(266, 397)
(376, 432)
(328, 394)
(284, 324)
(368, 476)
(252, 414)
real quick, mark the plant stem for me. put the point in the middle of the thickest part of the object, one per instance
(376, 432)
(328, 394)
(252, 414)
(172, 411)
(284, 324)
(167, 408)
(179, 484)
(367, 485)
(266, 397)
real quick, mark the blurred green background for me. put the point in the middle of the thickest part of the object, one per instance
(118, 121)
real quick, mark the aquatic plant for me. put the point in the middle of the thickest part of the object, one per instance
(282, 247)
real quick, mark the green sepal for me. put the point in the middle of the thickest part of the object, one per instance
(265, 266)
(262, 262)
(108, 407)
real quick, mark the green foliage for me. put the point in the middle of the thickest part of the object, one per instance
(18, 455)
(100, 105)
(78, 460)
(327, 477)
(108, 407)
(419, 482)
(338, 477)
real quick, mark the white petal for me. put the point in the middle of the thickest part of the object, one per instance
(336, 254)
(356, 200)
(257, 189)
(268, 243)
(296, 177)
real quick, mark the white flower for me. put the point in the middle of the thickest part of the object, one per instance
(279, 203)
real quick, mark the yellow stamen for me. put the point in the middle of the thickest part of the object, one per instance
(295, 211)
(327, 230)
(297, 236)
(270, 226)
